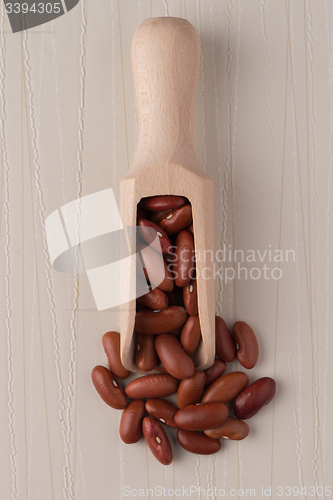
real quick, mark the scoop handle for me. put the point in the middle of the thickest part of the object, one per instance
(165, 61)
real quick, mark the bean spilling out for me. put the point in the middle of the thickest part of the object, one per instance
(209, 405)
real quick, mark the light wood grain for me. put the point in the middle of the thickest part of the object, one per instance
(165, 60)
(262, 86)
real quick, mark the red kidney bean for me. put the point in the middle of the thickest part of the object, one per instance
(141, 287)
(158, 216)
(226, 387)
(139, 307)
(184, 262)
(197, 442)
(111, 344)
(191, 335)
(215, 371)
(201, 416)
(254, 397)
(190, 228)
(141, 213)
(156, 322)
(145, 352)
(175, 297)
(177, 220)
(232, 428)
(158, 385)
(225, 346)
(130, 424)
(176, 333)
(162, 410)
(190, 298)
(247, 344)
(160, 367)
(155, 299)
(173, 357)
(152, 265)
(162, 202)
(190, 389)
(149, 230)
(108, 388)
(157, 440)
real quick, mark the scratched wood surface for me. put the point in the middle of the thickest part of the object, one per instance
(263, 132)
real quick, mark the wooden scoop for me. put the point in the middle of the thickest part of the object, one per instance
(165, 60)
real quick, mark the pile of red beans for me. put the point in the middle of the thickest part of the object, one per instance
(167, 330)
(171, 306)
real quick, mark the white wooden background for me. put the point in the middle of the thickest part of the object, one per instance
(264, 131)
